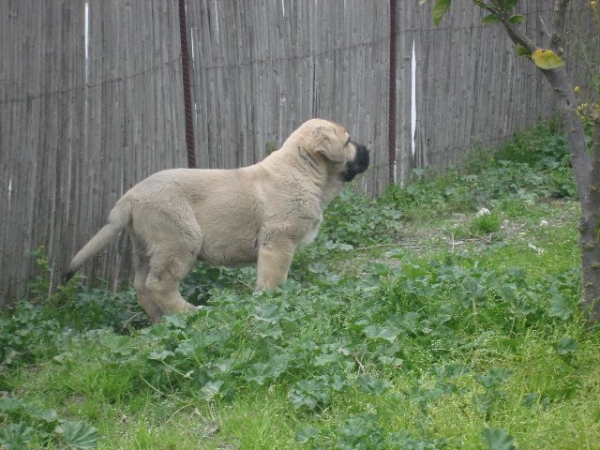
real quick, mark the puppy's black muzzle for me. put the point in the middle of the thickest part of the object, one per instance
(358, 165)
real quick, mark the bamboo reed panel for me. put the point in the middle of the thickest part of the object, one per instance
(77, 132)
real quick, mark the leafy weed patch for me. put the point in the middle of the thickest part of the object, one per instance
(371, 344)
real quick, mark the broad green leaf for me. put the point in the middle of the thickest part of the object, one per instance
(560, 307)
(269, 330)
(268, 312)
(373, 385)
(311, 393)
(16, 436)
(116, 343)
(301, 398)
(47, 415)
(498, 439)
(211, 389)
(337, 383)
(546, 59)
(567, 345)
(327, 359)
(494, 378)
(522, 51)
(10, 405)
(303, 435)
(157, 332)
(509, 4)
(162, 332)
(175, 321)
(318, 268)
(440, 8)
(517, 19)
(376, 332)
(160, 355)
(262, 372)
(79, 436)
(490, 19)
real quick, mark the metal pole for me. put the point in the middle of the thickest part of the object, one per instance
(392, 95)
(187, 91)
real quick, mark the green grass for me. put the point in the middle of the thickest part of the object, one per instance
(411, 323)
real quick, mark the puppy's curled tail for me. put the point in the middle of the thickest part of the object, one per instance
(118, 219)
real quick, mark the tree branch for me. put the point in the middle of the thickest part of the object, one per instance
(559, 24)
(596, 154)
(491, 9)
(563, 90)
(516, 36)
(557, 37)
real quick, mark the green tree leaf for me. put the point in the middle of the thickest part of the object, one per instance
(522, 51)
(498, 439)
(546, 59)
(440, 8)
(490, 19)
(517, 19)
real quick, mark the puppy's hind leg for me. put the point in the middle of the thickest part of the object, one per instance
(167, 269)
(141, 265)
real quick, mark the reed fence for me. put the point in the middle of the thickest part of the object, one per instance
(92, 100)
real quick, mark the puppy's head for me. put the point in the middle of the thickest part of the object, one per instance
(356, 164)
(332, 142)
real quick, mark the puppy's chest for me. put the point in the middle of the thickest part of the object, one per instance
(312, 232)
(300, 214)
(310, 215)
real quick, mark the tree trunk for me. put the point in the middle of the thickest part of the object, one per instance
(589, 234)
(567, 108)
(585, 169)
(587, 177)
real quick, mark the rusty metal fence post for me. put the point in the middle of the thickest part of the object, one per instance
(392, 95)
(187, 90)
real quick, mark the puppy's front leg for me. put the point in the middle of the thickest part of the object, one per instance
(274, 260)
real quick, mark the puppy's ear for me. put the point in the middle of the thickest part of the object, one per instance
(328, 144)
